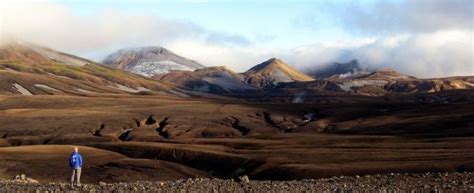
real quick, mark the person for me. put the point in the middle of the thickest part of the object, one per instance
(75, 161)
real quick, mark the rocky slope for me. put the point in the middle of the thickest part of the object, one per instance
(427, 182)
(211, 80)
(149, 61)
(272, 72)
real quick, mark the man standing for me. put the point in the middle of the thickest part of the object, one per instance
(75, 161)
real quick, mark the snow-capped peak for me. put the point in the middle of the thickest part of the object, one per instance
(149, 61)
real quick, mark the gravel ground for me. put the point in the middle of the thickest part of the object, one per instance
(427, 182)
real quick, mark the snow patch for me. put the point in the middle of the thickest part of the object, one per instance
(179, 93)
(129, 89)
(347, 86)
(10, 70)
(84, 91)
(47, 87)
(22, 90)
(152, 68)
(59, 76)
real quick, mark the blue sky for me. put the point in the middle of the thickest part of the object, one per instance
(424, 38)
(282, 23)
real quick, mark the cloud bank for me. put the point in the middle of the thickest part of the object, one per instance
(443, 53)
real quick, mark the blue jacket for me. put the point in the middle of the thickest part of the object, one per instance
(75, 161)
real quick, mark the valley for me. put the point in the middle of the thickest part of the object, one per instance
(271, 122)
(181, 137)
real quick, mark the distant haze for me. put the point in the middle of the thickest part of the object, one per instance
(417, 37)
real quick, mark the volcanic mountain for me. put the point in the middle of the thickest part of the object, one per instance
(272, 72)
(210, 80)
(34, 70)
(149, 61)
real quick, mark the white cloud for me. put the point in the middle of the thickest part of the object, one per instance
(443, 53)
(213, 54)
(58, 26)
(406, 16)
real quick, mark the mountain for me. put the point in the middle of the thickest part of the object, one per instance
(210, 80)
(272, 72)
(381, 82)
(35, 70)
(339, 70)
(388, 81)
(149, 61)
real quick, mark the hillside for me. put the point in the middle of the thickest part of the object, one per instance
(31, 70)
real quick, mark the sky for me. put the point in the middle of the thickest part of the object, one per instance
(424, 38)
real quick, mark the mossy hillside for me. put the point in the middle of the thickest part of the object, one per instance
(93, 73)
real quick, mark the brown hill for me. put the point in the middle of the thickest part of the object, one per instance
(272, 72)
(210, 80)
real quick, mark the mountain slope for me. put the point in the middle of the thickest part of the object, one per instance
(31, 70)
(272, 72)
(149, 61)
(210, 80)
